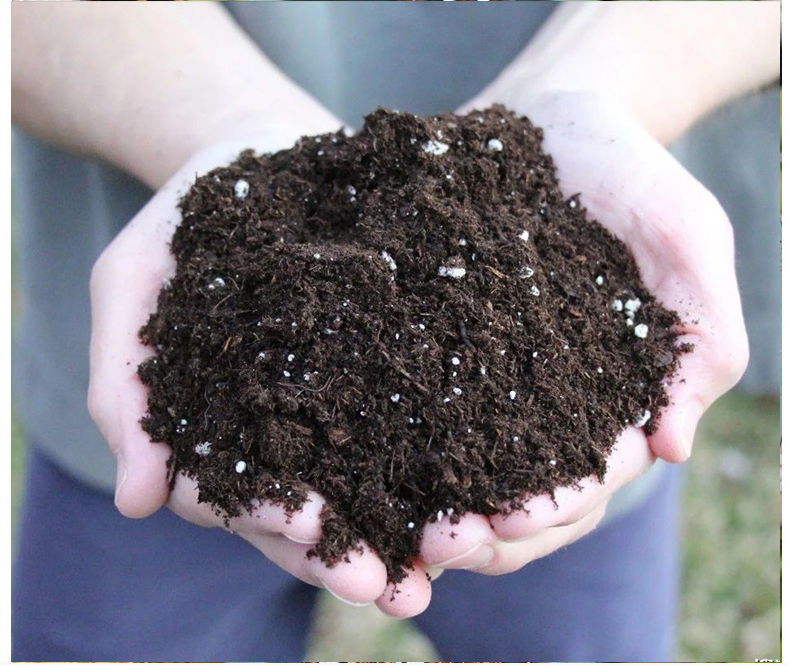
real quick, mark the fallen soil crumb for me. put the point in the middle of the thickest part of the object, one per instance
(414, 321)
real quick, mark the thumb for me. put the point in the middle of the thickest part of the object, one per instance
(705, 374)
(124, 287)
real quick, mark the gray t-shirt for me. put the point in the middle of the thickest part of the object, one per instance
(420, 57)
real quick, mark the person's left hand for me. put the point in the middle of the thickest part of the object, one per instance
(683, 244)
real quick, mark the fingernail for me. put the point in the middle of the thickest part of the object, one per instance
(121, 474)
(357, 604)
(689, 421)
(308, 542)
(477, 556)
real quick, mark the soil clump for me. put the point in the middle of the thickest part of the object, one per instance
(413, 321)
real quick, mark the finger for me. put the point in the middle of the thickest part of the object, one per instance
(358, 581)
(708, 372)
(125, 284)
(410, 597)
(630, 458)
(509, 557)
(302, 526)
(700, 285)
(460, 546)
(117, 399)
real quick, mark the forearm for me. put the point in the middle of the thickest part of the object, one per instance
(670, 63)
(145, 86)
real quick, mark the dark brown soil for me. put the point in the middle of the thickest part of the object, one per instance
(414, 321)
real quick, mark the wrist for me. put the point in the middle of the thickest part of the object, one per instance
(256, 126)
(667, 64)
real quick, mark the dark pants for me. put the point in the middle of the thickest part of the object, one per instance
(90, 585)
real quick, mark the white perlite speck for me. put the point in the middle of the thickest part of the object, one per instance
(435, 147)
(457, 391)
(217, 283)
(632, 305)
(455, 272)
(316, 256)
(525, 272)
(483, 370)
(240, 467)
(617, 305)
(524, 235)
(241, 189)
(462, 242)
(286, 373)
(599, 280)
(455, 360)
(512, 395)
(495, 145)
(534, 290)
(553, 462)
(439, 515)
(572, 203)
(395, 397)
(643, 419)
(410, 526)
(291, 357)
(203, 449)
(387, 257)
(640, 331)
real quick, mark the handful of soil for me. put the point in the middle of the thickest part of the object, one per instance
(413, 321)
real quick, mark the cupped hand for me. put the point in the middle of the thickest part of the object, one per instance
(682, 242)
(125, 284)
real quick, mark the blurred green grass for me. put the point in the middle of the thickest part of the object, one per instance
(731, 580)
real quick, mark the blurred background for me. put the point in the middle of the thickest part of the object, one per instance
(730, 588)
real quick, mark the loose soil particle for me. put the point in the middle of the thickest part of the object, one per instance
(413, 321)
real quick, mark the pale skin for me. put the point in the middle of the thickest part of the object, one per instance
(608, 82)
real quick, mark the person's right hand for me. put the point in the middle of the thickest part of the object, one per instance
(124, 287)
